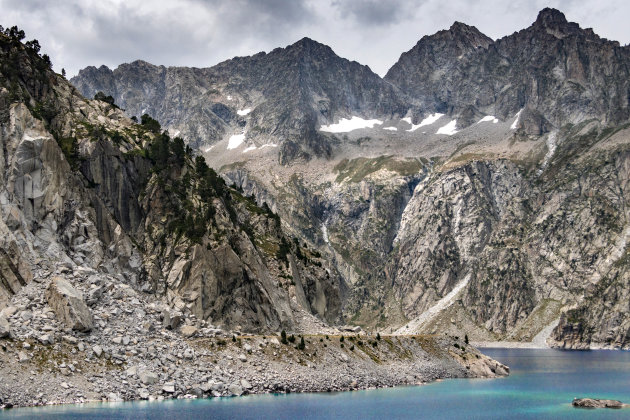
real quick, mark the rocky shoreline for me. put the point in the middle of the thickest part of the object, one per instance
(75, 335)
(171, 366)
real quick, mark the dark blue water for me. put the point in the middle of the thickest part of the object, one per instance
(541, 386)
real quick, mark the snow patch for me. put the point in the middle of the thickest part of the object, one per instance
(489, 118)
(344, 125)
(243, 112)
(407, 120)
(427, 121)
(235, 141)
(551, 149)
(449, 129)
(390, 128)
(249, 149)
(269, 145)
(207, 149)
(514, 125)
(229, 97)
(325, 233)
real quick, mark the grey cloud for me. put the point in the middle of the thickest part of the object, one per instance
(374, 12)
(261, 17)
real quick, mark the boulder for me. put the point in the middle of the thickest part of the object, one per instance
(169, 387)
(147, 377)
(68, 305)
(217, 386)
(188, 331)
(98, 350)
(235, 390)
(171, 319)
(5, 328)
(597, 403)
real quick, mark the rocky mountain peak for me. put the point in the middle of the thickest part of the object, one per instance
(308, 44)
(469, 34)
(550, 17)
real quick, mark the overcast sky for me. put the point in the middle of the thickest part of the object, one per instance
(201, 33)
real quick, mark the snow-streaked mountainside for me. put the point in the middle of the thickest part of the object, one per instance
(480, 186)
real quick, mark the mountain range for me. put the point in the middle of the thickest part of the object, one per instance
(480, 186)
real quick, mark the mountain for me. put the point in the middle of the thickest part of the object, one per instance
(88, 191)
(555, 71)
(283, 96)
(479, 187)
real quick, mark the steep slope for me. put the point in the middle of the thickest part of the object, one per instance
(87, 189)
(280, 97)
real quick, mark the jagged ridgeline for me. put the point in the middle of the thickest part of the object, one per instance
(86, 188)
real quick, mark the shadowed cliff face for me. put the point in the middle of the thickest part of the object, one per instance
(500, 229)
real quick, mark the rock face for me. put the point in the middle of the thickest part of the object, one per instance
(69, 306)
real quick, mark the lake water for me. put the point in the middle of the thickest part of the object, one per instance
(541, 386)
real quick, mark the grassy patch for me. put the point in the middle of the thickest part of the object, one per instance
(356, 170)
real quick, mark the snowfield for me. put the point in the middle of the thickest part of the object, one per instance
(449, 129)
(427, 121)
(489, 118)
(344, 125)
(235, 141)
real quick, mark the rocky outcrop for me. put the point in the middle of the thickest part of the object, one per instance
(597, 403)
(69, 306)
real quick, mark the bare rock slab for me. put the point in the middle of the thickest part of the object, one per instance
(68, 305)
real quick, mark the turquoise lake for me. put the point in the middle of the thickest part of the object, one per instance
(541, 386)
